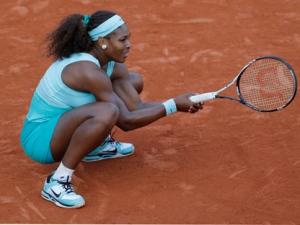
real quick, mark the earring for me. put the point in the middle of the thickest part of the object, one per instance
(104, 46)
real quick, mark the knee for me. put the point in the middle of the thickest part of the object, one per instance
(106, 112)
(137, 81)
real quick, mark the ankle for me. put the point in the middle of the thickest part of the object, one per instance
(63, 173)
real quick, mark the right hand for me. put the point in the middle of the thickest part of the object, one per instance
(184, 104)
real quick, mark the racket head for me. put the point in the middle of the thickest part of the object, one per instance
(267, 84)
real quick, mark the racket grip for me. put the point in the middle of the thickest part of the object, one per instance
(203, 97)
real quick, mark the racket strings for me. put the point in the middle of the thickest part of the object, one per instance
(267, 84)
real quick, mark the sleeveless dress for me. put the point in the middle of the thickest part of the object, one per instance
(51, 99)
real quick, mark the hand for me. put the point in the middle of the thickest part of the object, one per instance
(195, 107)
(184, 104)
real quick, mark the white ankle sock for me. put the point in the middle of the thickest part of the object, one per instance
(62, 173)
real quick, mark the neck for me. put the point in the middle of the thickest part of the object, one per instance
(100, 55)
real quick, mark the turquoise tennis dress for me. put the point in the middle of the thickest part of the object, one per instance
(51, 99)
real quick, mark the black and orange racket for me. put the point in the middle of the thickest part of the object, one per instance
(265, 84)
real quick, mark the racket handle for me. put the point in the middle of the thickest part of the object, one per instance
(203, 97)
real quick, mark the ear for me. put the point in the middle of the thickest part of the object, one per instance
(101, 41)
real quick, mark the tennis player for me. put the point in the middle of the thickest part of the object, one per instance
(82, 96)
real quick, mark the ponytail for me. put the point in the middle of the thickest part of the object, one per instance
(69, 37)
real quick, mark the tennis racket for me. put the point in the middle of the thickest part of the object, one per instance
(265, 84)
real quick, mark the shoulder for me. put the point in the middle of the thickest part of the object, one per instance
(78, 57)
(84, 76)
(83, 69)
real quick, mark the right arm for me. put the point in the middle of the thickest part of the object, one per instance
(87, 77)
(100, 85)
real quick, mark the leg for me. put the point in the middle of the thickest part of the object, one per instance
(108, 148)
(137, 81)
(77, 133)
(81, 130)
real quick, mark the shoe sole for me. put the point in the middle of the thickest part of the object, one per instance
(51, 199)
(99, 158)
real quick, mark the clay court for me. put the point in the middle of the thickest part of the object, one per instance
(226, 164)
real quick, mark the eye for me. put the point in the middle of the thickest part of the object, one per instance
(125, 38)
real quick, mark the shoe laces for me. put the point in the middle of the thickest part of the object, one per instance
(110, 139)
(66, 185)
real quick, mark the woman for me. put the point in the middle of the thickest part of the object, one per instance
(82, 96)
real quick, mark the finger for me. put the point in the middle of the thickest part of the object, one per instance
(198, 106)
(193, 109)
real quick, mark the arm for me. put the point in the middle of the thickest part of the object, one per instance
(101, 86)
(123, 87)
(128, 86)
(87, 77)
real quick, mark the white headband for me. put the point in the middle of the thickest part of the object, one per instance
(106, 28)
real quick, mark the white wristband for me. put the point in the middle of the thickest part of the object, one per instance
(170, 106)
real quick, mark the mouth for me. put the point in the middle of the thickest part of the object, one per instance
(126, 54)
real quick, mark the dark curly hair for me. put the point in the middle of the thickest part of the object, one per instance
(71, 35)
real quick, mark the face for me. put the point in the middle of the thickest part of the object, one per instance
(118, 44)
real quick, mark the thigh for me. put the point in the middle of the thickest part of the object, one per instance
(72, 119)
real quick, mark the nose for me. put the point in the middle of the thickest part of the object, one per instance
(128, 44)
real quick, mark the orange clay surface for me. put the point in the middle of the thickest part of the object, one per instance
(225, 164)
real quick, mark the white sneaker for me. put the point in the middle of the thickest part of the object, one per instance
(110, 149)
(61, 193)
